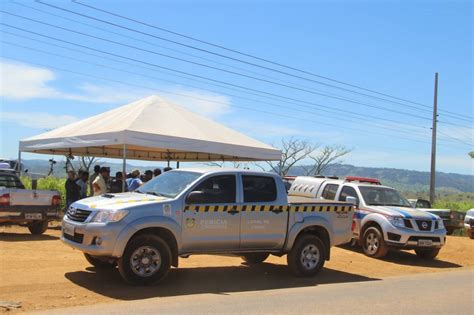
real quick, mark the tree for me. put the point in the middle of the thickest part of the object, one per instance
(471, 154)
(327, 156)
(85, 162)
(293, 151)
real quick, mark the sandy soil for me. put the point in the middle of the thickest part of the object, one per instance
(42, 273)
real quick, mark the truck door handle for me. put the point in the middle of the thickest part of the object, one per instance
(233, 211)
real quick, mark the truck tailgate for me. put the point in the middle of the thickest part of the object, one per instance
(24, 197)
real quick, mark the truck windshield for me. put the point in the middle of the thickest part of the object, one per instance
(380, 196)
(169, 184)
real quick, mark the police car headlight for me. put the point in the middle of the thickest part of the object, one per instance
(105, 216)
(440, 224)
(396, 221)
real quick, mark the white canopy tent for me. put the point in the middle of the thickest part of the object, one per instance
(150, 129)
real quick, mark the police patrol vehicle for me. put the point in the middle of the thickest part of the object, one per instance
(185, 212)
(383, 220)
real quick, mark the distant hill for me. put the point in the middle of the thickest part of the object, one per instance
(404, 180)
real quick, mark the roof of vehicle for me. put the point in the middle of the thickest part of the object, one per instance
(307, 186)
(210, 170)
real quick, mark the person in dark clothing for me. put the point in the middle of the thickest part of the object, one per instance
(148, 176)
(72, 189)
(116, 185)
(156, 172)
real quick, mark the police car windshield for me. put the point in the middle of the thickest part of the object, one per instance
(380, 196)
(169, 184)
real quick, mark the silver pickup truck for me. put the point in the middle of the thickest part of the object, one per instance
(30, 207)
(201, 211)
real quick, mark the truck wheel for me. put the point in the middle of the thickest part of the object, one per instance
(307, 256)
(470, 233)
(255, 258)
(373, 243)
(99, 263)
(427, 253)
(146, 260)
(38, 227)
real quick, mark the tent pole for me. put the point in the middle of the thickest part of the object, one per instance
(124, 170)
(18, 165)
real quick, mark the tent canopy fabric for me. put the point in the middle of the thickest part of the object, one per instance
(150, 129)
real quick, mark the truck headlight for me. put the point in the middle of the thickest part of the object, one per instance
(396, 221)
(105, 216)
(440, 224)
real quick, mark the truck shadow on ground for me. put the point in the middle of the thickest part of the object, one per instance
(407, 258)
(25, 237)
(216, 280)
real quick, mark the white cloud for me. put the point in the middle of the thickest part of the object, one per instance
(21, 82)
(37, 120)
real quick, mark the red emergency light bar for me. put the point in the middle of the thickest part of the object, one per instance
(363, 180)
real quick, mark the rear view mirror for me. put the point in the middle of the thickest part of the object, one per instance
(195, 197)
(352, 200)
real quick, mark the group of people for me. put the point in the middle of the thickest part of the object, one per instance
(82, 185)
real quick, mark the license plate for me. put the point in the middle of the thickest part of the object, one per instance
(68, 229)
(33, 216)
(425, 243)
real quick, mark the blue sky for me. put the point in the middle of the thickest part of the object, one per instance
(393, 47)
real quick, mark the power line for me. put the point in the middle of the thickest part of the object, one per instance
(213, 101)
(247, 55)
(190, 74)
(174, 82)
(328, 109)
(228, 57)
(214, 68)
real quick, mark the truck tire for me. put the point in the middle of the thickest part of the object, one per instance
(99, 263)
(373, 243)
(255, 258)
(430, 253)
(307, 256)
(470, 233)
(38, 227)
(146, 260)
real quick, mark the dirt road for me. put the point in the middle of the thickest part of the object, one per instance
(42, 273)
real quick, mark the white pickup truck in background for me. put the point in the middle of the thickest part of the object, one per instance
(32, 208)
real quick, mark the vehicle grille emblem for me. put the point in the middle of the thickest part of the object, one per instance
(424, 225)
(72, 211)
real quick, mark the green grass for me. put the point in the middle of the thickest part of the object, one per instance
(49, 183)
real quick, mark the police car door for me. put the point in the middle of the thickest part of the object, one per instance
(211, 220)
(263, 220)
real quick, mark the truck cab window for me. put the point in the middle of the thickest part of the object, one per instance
(348, 192)
(216, 189)
(10, 181)
(330, 191)
(259, 188)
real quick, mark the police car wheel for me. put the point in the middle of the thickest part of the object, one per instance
(255, 258)
(146, 260)
(307, 256)
(427, 253)
(38, 227)
(373, 243)
(99, 263)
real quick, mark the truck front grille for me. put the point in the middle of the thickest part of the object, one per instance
(77, 215)
(424, 225)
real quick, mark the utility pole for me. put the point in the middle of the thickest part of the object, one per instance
(433, 142)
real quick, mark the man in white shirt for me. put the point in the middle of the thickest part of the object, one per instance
(100, 183)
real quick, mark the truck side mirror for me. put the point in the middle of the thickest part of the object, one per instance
(352, 200)
(195, 197)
